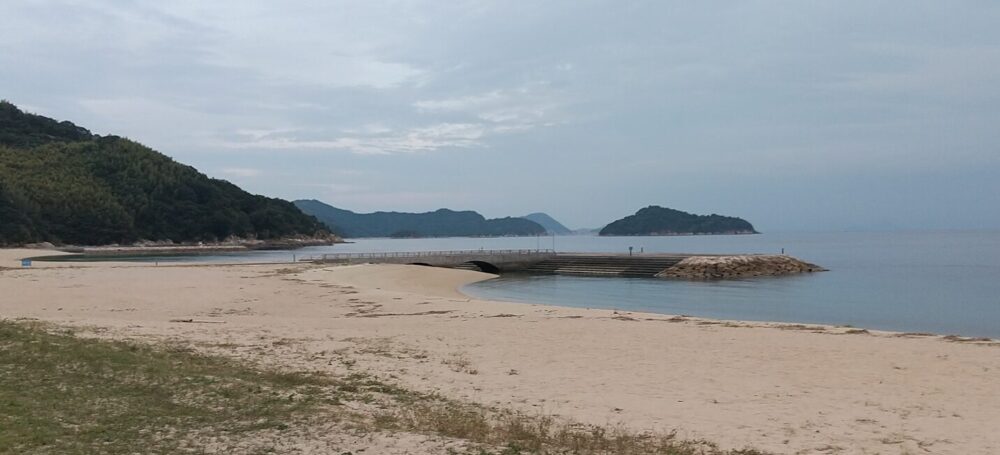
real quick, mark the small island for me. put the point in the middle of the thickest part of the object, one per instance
(656, 220)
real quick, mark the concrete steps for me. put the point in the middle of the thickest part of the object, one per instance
(605, 265)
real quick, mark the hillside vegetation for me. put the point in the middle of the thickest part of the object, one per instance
(440, 223)
(59, 183)
(656, 220)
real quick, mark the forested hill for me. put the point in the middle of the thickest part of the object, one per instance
(550, 224)
(440, 223)
(655, 220)
(59, 183)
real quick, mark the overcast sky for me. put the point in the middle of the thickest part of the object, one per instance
(794, 115)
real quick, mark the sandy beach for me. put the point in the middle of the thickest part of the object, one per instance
(783, 388)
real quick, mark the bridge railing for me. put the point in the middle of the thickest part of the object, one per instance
(420, 254)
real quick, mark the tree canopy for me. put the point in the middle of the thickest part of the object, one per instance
(656, 220)
(59, 183)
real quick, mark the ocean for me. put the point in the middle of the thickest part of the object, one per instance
(936, 282)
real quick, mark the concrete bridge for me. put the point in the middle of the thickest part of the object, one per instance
(489, 261)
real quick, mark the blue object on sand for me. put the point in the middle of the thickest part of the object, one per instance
(25, 262)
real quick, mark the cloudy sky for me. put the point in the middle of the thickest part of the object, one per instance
(795, 115)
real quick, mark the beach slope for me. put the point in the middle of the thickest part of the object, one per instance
(777, 387)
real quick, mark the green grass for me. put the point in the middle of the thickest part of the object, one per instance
(63, 394)
(517, 433)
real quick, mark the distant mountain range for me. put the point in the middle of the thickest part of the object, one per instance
(60, 183)
(652, 220)
(439, 223)
(656, 220)
(551, 226)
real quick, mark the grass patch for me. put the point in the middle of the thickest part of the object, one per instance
(64, 394)
(68, 395)
(514, 433)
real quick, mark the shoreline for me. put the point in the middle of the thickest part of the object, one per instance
(736, 322)
(781, 388)
(681, 234)
(457, 292)
(155, 249)
(830, 329)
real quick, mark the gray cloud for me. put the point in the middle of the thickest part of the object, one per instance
(586, 109)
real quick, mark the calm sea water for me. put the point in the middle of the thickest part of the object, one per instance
(939, 282)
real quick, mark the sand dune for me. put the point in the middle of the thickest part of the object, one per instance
(784, 388)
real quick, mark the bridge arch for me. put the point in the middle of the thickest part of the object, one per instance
(486, 267)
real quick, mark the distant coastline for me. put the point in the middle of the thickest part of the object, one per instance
(439, 223)
(682, 234)
(158, 249)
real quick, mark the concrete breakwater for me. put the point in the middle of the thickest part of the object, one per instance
(679, 266)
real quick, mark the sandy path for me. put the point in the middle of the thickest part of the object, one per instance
(782, 389)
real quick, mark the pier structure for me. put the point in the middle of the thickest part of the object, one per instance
(527, 261)
(489, 261)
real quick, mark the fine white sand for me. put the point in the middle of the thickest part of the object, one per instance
(783, 388)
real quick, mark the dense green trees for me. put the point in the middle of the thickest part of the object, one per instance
(440, 223)
(62, 184)
(655, 220)
(18, 129)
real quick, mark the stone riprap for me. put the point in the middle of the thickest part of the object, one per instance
(737, 266)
